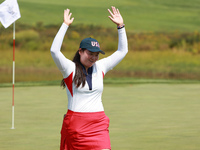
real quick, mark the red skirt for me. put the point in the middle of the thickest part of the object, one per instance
(85, 131)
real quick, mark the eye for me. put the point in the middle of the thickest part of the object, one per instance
(89, 53)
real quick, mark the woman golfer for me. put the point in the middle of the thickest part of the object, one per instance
(85, 126)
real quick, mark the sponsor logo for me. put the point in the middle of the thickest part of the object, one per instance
(11, 11)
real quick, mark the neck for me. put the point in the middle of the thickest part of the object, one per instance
(87, 70)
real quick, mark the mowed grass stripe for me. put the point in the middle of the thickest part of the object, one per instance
(144, 116)
(139, 16)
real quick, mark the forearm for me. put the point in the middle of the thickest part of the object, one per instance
(122, 41)
(65, 65)
(57, 42)
(110, 62)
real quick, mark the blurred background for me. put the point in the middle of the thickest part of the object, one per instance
(163, 38)
(152, 97)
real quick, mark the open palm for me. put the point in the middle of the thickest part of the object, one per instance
(67, 17)
(116, 16)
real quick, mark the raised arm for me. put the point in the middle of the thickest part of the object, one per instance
(65, 65)
(109, 62)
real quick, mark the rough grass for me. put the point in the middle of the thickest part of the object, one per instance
(39, 65)
(142, 116)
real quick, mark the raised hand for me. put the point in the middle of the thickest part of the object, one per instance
(116, 16)
(67, 17)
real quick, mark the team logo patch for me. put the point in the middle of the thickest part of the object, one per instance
(94, 43)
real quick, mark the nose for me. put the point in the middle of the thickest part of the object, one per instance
(93, 57)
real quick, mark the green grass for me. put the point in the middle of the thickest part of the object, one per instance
(168, 63)
(142, 116)
(107, 81)
(39, 65)
(139, 15)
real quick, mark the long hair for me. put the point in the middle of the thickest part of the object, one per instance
(79, 77)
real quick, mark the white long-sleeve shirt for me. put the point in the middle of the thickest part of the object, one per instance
(82, 99)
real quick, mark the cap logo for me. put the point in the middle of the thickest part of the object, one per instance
(93, 43)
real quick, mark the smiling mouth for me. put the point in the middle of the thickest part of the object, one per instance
(91, 61)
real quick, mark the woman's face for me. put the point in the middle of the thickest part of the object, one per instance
(88, 58)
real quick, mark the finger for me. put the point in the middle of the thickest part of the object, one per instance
(72, 19)
(111, 18)
(118, 11)
(114, 10)
(70, 15)
(110, 12)
(67, 11)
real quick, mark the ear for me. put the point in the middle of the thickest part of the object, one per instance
(79, 51)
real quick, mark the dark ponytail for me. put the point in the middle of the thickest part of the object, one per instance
(79, 77)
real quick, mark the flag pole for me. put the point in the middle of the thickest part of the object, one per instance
(13, 79)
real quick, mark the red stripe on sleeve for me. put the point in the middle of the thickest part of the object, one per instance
(103, 74)
(68, 82)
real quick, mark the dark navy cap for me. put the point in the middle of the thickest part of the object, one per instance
(91, 45)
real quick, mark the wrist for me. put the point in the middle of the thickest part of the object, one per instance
(66, 23)
(120, 26)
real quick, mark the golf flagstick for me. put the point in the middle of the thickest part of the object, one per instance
(13, 79)
(9, 13)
